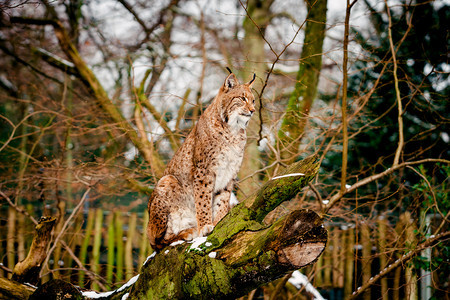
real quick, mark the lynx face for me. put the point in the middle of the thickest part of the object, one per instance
(238, 103)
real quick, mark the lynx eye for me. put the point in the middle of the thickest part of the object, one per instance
(244, 99)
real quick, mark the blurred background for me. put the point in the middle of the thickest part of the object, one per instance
(96, 96)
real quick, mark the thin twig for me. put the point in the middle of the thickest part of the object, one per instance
(397, 91)
(80, 265)
(63, 229)
(277, 58)
(316, 192)
(431, 189)
(5, 268)
(18, 209)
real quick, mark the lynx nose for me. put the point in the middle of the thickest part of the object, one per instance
(252, 110)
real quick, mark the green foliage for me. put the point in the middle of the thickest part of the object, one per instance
(427, 193)
(437, 264)
(434, 201)
(423, 85)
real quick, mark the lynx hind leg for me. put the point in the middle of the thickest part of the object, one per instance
(157, 221)
(159, 211)
(169, 214)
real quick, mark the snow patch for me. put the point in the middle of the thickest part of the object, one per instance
(129, 283)
(233, 200)
(212, 254)
(30, 285)
(177, 243)
(167, 251)
(125, 296)
(196, 243)
(95, 295)
(149, 258)
(288, 175)
(298, 280)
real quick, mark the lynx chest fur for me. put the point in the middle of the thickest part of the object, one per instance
(227, 164)
(193, 195)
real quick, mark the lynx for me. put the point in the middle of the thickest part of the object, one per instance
(193, 195)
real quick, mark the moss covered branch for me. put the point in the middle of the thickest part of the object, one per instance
(242, 252)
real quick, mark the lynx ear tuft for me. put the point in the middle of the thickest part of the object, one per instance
(252, 81)
(231, 82)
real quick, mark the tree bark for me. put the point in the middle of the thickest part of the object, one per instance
(254, 25)
(301, 99)
(10, 289)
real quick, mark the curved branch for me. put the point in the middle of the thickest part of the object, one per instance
(428, 243)
(334, 199)
(28, 269)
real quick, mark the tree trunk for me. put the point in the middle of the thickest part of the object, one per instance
(301, 99)
(11, 290)
(248, 260)
(255, 62)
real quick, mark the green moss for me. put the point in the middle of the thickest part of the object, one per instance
(274, 192)
(238, 219)
(206, 278)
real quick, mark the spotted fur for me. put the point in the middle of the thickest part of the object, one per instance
(194, 193)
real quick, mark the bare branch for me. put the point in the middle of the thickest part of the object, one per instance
(64, 227)
(18, 209)
(334, 199)
(344, 98)
(428, 243)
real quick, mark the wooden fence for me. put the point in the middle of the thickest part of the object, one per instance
(112, 246)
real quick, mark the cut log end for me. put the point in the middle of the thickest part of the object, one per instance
(302, 239)
(300, 255)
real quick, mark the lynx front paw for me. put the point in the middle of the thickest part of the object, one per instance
(205, 230)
